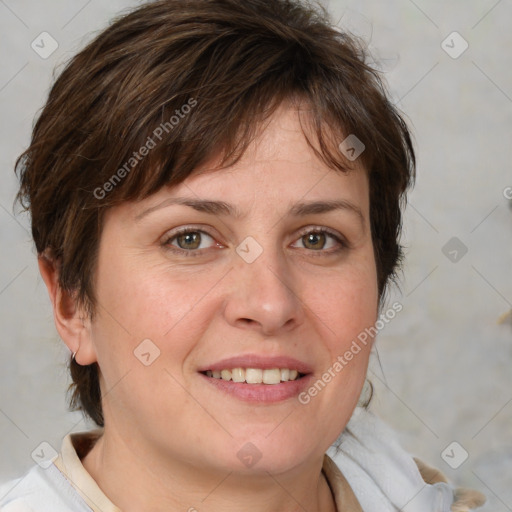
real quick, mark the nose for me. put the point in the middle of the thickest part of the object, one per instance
(262, 295)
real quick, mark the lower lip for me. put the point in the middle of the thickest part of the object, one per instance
(266, 393)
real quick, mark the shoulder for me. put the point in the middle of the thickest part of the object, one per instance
(40, 490)
(384, 477)
(464, 499)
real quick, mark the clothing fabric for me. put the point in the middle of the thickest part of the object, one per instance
(369, 473)
(385, 478)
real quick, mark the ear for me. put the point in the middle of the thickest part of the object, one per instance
(72, 322)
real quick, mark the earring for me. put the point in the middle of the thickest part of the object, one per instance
(366, 394)
(74, 354)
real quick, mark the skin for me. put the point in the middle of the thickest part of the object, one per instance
(171, 439)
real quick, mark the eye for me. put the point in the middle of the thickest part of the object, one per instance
(189, 241)
(316, 239)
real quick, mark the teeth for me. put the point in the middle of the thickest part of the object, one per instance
(272, 376)
(255, 375)
(238, 375)
(225, 375)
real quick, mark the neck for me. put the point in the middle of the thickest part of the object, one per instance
(137, 483)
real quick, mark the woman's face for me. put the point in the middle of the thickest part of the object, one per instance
(272, 284)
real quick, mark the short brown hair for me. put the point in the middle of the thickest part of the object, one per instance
(233, 62)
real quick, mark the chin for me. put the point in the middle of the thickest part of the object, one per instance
(264, 453)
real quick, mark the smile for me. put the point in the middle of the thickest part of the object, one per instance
(255, 375)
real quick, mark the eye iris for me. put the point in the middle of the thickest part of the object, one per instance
(314, 238)
(189, 237)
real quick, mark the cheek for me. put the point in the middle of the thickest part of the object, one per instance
(148, 302)
(146, 310)
(344, 303)
(344, 313)
(150, 299)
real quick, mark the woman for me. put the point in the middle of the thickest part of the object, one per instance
(215, 192)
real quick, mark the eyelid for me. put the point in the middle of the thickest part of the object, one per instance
(340, 239)
(170, 235)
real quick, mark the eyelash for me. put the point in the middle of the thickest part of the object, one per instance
(343, 245)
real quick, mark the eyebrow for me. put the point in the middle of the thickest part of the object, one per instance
(222, 208)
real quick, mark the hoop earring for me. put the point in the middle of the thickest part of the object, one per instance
(74, 354)
(366, 394)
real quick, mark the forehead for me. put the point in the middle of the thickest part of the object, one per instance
(279, 162)
(282, 136)
(279, 170)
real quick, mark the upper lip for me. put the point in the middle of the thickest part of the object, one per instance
(257, 361)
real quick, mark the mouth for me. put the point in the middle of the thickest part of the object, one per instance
(258, 379)
(268, 376)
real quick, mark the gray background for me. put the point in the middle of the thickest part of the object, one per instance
(444, 373)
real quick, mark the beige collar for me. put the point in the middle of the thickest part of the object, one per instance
(74, 448)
